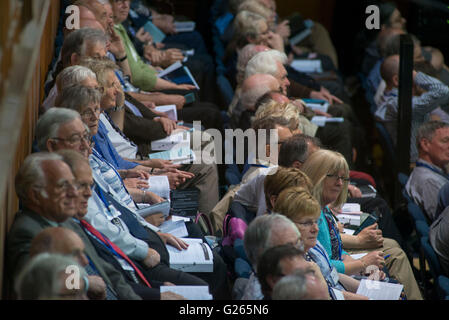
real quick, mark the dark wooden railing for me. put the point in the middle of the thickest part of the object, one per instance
(27, 33)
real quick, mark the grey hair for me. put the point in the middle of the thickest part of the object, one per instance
(265, 62)
(73, 75)
(77, 96)
(291, 287)
(31, 174)
(427, 130)
(258, 235)
(76, 42)
(48, 124)
(40, 278)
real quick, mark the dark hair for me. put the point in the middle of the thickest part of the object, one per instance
(269, 263)
(293, 149)
(386, 10)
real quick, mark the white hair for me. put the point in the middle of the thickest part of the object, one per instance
(258, 235)
(73, 75)
(265, 62)
(41, 277)
(48, 124)
(31, 174)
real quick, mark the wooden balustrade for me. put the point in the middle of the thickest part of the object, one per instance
(27, 33)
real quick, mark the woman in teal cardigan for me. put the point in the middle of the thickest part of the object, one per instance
(329, 173)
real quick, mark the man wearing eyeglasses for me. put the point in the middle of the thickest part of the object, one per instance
(48, 192)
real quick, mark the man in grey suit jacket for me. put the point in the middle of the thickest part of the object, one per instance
(46, 187)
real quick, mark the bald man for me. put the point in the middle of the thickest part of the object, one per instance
(252, 89)
(435, 94)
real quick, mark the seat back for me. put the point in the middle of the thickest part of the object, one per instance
(415, 211)
(431, 257)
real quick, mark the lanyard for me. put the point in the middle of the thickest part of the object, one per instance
(425, 165)
(336, 232)
(324, 256)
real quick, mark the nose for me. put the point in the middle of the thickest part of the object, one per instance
(83, 260)
(72, 191)
(315, 227)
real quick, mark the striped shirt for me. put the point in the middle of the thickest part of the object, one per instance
(437, 93)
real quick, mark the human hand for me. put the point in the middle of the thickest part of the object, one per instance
(152, 198)
(174, 241)
(137, 173)
(97, 288)
(167, 124)
(354, 191)
(155, 219)
(116, 46)
(168, 295)
(283, 29)
(177, 177)
(300, 104)
(370, 237)
(152, 259)
(322, 113)
(374, 258)
(143, 36)
(185, 87)
(162, 164)
(170, 56)
(275, 41)
(165, 22)
(324, 94)
(136, 183)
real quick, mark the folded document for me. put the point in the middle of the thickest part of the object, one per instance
(197, 257)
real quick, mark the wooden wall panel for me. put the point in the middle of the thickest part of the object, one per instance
(26, 93)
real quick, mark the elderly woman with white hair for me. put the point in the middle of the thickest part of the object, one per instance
(67, 77)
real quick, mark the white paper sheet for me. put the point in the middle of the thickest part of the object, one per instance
(379, 290)
(189, 292)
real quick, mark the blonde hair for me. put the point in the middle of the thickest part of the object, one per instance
(321, 163)
(101, 67)
(255, 6)
(246, 24)
(285, 178)
(296, 203)
(285, 110)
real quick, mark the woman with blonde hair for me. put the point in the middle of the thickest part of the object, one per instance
(287, 111)
(297, 204)
(329, 173)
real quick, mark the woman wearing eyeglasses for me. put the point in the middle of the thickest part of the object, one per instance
(329, 173)
(303, 209)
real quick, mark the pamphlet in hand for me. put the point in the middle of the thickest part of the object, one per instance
(321, 121)
(180, 155)
(317, 104)
(379, 290)
(180, 138)
(178, 74)
(189, 292)
(176, 228)
(307, 65)
(197, 257)
(155, 32)
(169, 110)
(184, 26)
(148, 210)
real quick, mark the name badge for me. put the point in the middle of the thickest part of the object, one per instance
(334, 276)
